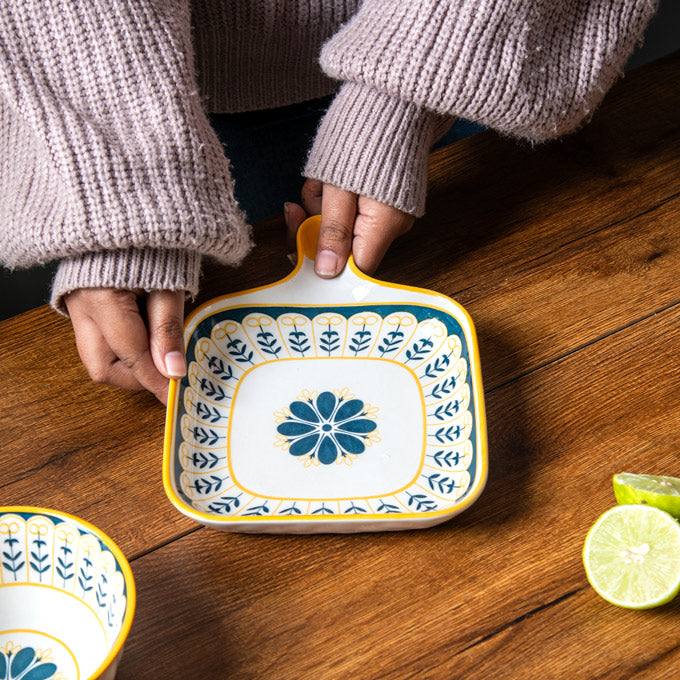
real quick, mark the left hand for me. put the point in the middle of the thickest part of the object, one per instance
(350, 223)
(118, 346)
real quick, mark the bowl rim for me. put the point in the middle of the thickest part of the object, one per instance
(306, 240)
(128, 577)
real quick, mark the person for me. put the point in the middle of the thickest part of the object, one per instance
(110, 165)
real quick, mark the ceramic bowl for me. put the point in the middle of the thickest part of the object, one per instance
(67, 597)
(336, 405)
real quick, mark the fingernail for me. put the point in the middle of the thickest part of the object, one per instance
(286, 207)
(175, 364)
(326, 263)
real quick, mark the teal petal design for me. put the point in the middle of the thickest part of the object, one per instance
(304, 445)
(304, 412)
(360, 426)
(23, 659)
(42, 672)
(3, 665)
(328, 451)
(325, 404)
(350, 443)
(293, 428)
(326, 427)
(349, 409)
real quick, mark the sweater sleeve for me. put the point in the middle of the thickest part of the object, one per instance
(107, 159)
(533, 69)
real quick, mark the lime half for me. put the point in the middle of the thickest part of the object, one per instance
(659, 492)
(632, 556)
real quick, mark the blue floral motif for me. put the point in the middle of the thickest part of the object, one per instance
(291, 510)
(24, 662)
(360, 340)
(225, 504)
(298, 340)
(322, 510)
(327, 427)
(267, 342)
(220, 369)
(12, 555)
(329, 340)
(445, 458)
(39, 560)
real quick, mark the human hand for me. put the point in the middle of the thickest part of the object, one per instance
(118, 348)
(349, 224)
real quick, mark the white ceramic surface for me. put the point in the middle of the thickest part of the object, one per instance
(336, 405)
(67, 597)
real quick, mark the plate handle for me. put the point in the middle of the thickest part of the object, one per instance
(308, 239)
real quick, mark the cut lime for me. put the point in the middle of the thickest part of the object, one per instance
(632, 556)
(659, 492)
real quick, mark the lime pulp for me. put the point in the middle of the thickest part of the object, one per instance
(632, 556)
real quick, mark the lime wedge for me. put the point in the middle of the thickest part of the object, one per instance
(632, 556)
(659, 492)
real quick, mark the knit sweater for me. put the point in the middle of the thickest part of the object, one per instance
(109, 164)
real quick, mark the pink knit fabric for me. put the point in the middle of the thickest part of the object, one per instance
(108, 162)
(529, 68)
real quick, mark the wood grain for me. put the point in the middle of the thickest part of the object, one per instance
(68, 444)
(567, 256)
(497, 592)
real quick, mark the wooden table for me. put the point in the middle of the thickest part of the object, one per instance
(568, 258)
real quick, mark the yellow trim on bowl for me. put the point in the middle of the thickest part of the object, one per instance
(32, 631)
(306, 241)
(131, 592)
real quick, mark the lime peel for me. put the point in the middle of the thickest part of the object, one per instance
(655, 490)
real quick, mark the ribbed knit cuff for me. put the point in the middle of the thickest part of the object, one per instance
(376, 145)
(132, 269)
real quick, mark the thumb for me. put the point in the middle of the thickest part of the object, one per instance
(165, 313)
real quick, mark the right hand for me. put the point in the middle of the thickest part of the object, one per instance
(118, 348)
(350, 223)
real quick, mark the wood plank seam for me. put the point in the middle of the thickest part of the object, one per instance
(522, 617)
(163, 544)
(599, 230)
(603, 336)
(56, 458)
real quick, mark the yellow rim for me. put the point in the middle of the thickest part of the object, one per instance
(307, 237)
(120, 558)
(47, 586)
(61, 643)
(356, 498)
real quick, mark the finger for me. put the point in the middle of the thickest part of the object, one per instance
(165, 314)
(294, 215)
(377, 226)
(123, 329)
(338, 211)
(99, 360)
(312, 191)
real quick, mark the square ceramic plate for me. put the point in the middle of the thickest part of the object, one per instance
(317, 405)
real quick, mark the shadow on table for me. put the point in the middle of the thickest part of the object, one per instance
(176, 602)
